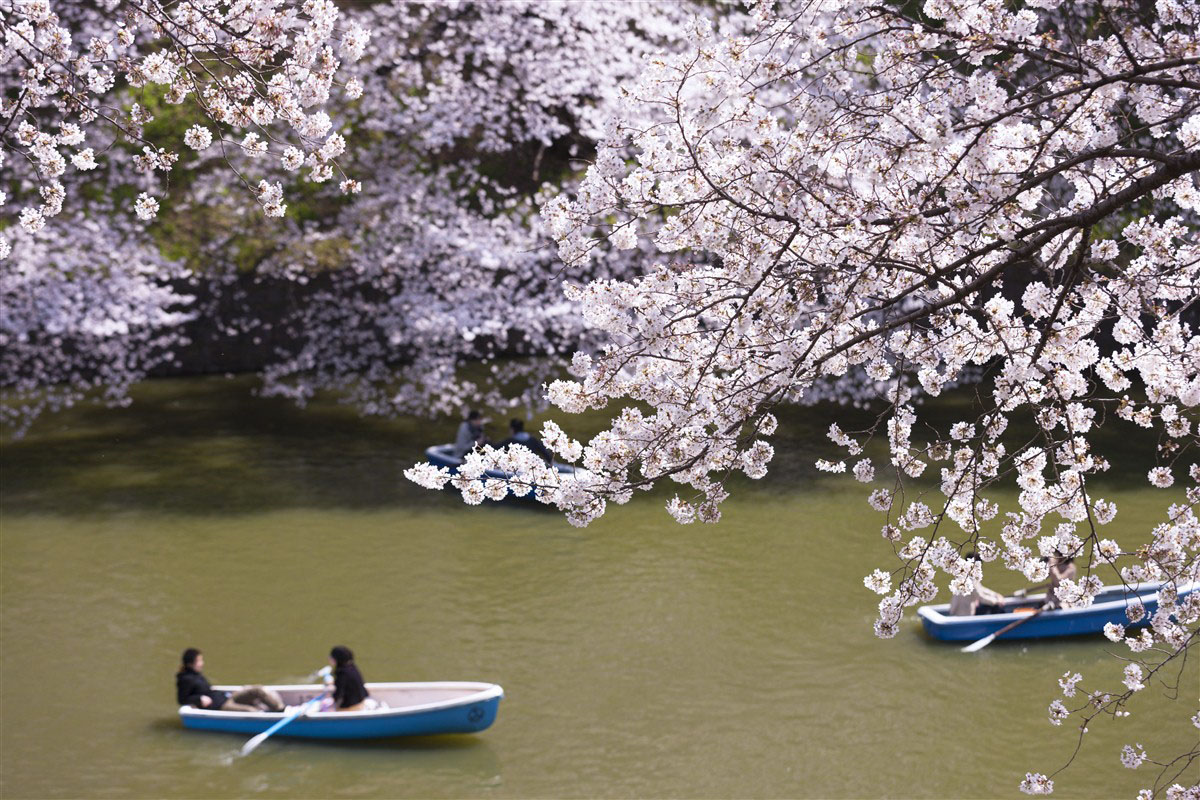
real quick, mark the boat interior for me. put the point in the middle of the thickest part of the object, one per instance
(1021, 606)
(391, 696)
(1110, 594)
(445, 451)
(1107, 595)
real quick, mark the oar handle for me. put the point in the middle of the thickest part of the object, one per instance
(991, 637)
(1018, 623)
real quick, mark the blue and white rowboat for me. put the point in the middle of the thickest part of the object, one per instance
(407, 709)
(442, 455)
(1109, 606)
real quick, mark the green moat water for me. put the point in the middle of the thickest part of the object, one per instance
(639, 658)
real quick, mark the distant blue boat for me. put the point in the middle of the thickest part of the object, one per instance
(1109, 606)
(442, 455)
(406, 709)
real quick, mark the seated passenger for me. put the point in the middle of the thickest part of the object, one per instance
(470, 434)
(518, 435)
(193, 689)
(981, 601)
(1062, 568)
(349, 690)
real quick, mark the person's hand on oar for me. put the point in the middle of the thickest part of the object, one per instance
(991, 637)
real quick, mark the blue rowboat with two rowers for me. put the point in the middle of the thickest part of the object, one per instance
(442, 455)
(402, 709)
(1109, 606)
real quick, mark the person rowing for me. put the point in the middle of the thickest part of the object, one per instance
(518, 435)
(470, 434)
(1062, 568)
(349, 691)
(980, 601)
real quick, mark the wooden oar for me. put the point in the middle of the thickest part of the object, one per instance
(991, 637)
(250, 746)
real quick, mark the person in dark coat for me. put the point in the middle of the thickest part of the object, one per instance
(193, 689)
(518, 435)
(349, 690)
(470, 434)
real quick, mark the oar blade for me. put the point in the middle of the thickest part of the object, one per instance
(979, 645)
(255, 741)
(250, 746)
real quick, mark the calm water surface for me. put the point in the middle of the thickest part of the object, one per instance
(639, 658)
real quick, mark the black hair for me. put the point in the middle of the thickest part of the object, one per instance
(474, 414)
(341, 655)
(189, 656)
(518, 426)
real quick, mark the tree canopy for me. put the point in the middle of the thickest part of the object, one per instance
(700, 210)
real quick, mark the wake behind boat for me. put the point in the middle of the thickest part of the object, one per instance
(406, 709)
(1110, 605)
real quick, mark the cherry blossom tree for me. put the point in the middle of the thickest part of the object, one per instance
(88, 301)
(464, 116)
(479, 111)
(253, 66)
(88, 306)
(878, 201)
(918, 192)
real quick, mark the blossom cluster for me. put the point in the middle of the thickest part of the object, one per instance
(465, 115)
(87, 307)
(71, 71)
(478, 111)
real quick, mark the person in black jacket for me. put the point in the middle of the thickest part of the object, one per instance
(193, 689)
(349, 691)
(518, 435)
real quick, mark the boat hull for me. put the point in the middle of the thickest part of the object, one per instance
(451, 708)
(1111, 606)
(442, 455)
